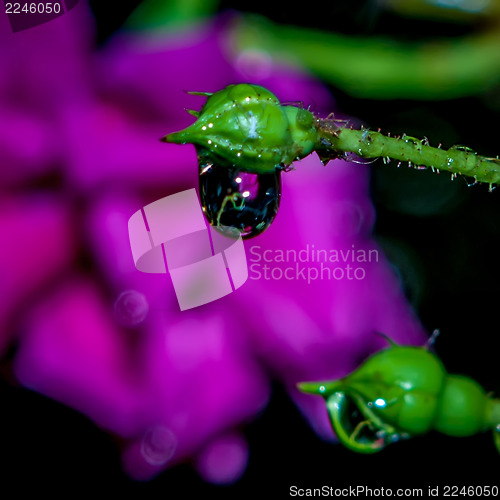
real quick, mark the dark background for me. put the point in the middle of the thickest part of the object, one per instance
(442, 238)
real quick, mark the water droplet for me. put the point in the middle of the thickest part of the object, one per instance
(158, 445)
(411, 140)
(394, 438)
(131, 308)
(230, 197)
(449, 163)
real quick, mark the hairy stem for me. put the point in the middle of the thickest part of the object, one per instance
(457, 160)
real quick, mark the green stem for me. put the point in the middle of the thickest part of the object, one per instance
(381, 68)
(457, 160)
(493, 421)
(163, 15)
(494, 413)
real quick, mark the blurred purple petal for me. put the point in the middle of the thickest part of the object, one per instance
(74, 353)
(110, 341)
(36, 245)
(224, 460)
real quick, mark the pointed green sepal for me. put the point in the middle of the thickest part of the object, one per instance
(204, 94)
(321, 388)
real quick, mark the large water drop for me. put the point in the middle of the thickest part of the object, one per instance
(232, 197)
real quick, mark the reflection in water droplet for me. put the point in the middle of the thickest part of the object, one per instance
(158, 445)
(131, 308)
(230, 197)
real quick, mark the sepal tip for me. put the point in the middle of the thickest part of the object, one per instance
(321, 388)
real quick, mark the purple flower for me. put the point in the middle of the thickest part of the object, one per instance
(101, 337)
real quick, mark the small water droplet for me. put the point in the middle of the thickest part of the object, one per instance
(131, 308)
(411, 140)
(230, 197)
(394, 438)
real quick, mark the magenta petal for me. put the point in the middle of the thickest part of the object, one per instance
(28, 147)
(203, 382)
(224, 460)
(36, 244)
(74, 353)
(104, 146)
(150, 74)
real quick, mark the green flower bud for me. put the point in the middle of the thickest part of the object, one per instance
(403, 385)
(248, 127)
(400, 392)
